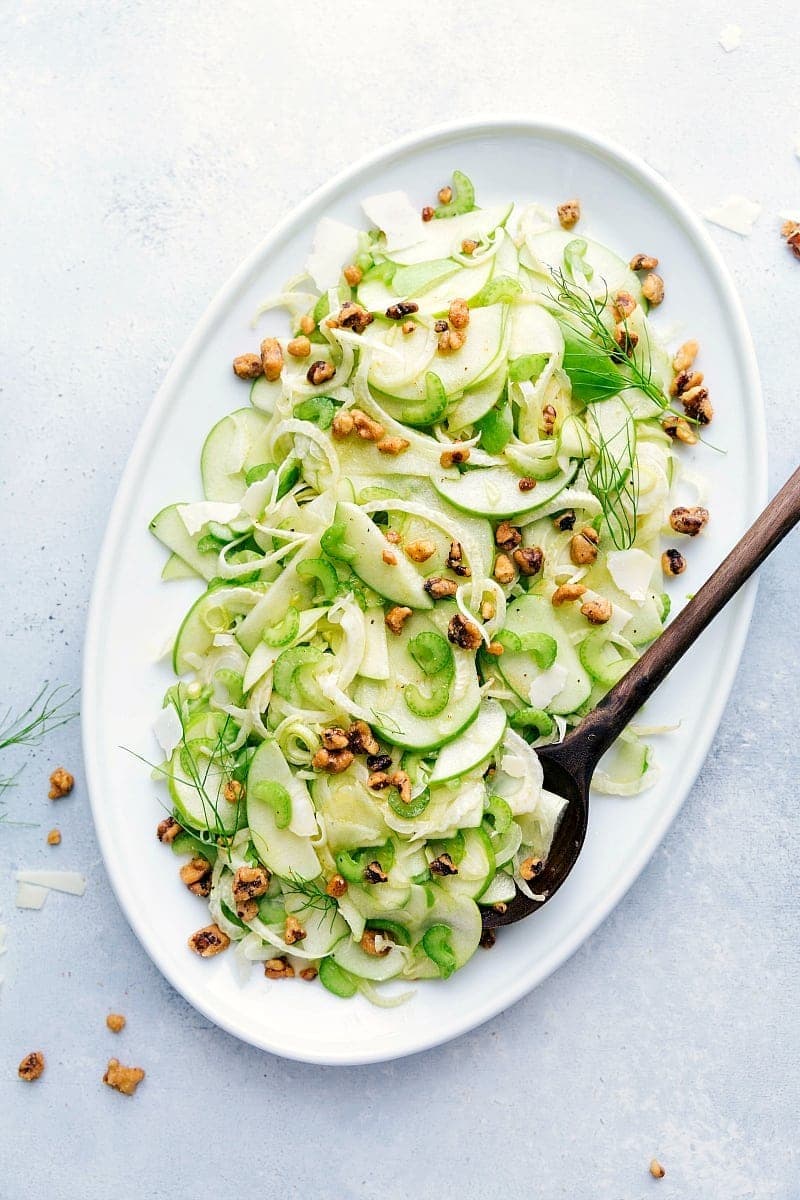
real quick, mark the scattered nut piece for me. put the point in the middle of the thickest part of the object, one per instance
(122, 1079)
(445, 194)
(293, 931)
(233, 791)
(402, 782)
(271, 358)
(307, 324)
(504, 569)
(299, 347)
(565, 520)
(679, 427)
(440, 326)
(353, 274)
(549, 418)
(396, 618)
(597, 610)
(495, 649)
(529, 560)
(408, 327)
(403, 308)
(443, 866)
(379, 762)
(439, 588)
(656, 1169)
(643, 262)
(116, 1022)
(689, 520)
(569, 213)
(320, 372)
(369, 943)
(583, 546)
(332, 761)
(168, 830)
(209, 941)
(393, 445)
(32, 1066)
(697, 405)
(507, 536)
(488, 610)
(334, 738)
(361, 739)
(790, 232)
(459, 314)
(393, 536)
(354, 316)
(420, 550)
(458, 454)
(365, 427)
(61, 784)
(278, 968)
(469, 246)
(248, 884)
(526, 484)
(247, 366)
(379, 780)
(685, 355)
(427, 213)
(451, 340)
(54, 837)
(455, 561)
(343, 425)
(336, 886)
(567, 593)
(626, 339)
(374, 873)
(673, 562)
(653, 288)
(463, 633)
(196, 874)
(389, 557)
(529, 868)
(624, 305)
(685, 381)
(309, 973)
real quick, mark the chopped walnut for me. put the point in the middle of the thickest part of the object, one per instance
(196, 874)
(116, 1022)
(653, 288)
(455, 561)
(379, 762)
(320, 372)
(463, 633)
(247, 366)
(567, 593)
(583, 546)
(626, 339)
(526, 484)
(443, 866)
(379, 780)
(332, 761)
(408, 327)
(624, 305)
(393, 536)
(697, 405)
(790, 232)
(375, 943)
(459, 314)
(54, 837)
(504, 569)
(643, 262)
(389, 557)
(565, 520)
(61, 784)
(507, 536)
(122, 1079)
(488, 610)
(458, 454)
(445, 194)
(440, 326)
(278, 968)
(299, 347)
(403, 308)
(420, 550)
(343, 425)
(271, 358)
(428, 213)
(248, 884)
(685, 381)
(689, 520)
(353, 274)
(549, 418)
(353, 316)
(361, 739)
(451, 340)
(439, 588)
(529, 559)
(673, 562)
(168, 830)
(569, 213)
(307, 324)
(209, 941)
(293, 931)
(402, 782)
(396, 618)
(32, 1066)
(233, 791)
(334, 738)
(336, 886)
(309, 973)
(597, 610)
(374, 873)
(469, 246)
(679, 427)
(393, 445)
(365, 427)
(495, 649)
(529, 868)
(656, 1169)
(685, 355)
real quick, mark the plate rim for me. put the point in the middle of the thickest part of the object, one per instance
(499, 125)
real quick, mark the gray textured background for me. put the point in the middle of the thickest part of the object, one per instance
(145, 149)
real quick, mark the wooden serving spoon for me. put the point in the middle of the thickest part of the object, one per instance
(569, 765)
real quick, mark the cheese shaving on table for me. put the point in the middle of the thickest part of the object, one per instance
(730, 38)
(71, 882)
(736, 213)
(30, 896)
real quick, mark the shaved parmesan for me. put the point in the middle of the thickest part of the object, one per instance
(195, 516)
(546, 686)
(631, 571)
(394, 214)
(730, 38)
(736, 213)
(168, 730)
(30, 896)
(71, 882)
(335, 245)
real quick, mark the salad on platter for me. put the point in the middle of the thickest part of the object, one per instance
(431, 541)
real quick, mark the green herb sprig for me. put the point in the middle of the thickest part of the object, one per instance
(49, 710)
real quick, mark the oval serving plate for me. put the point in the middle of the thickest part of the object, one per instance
(629, 208)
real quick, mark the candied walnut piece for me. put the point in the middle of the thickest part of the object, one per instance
(427, 213)
(549, 418)
(455, 561)
(565, 520)
(320, 372)
(685, 355)
(334, 738)
(353, 274)
(379, 780)
(597, 610)
(529, 559)
(673, 562)
(168, 830)
(247, 366)
(408, 327)
(369, 943)
(353, 316)
(439, 588)
(393, 536)
(463, 633)
(389, 557)
(307, 324)
(790, 232)
(379, 762)
(504, 569)
(374, 873)
(451, 458)
(365, 427)
(653, 288)
(278, 968)
(332, 761)
(402, 782)
(309, 973)
(403, 308)
(451, 340)
(507, 536)
(697, 405)
(656, 1169)
(293, 931)
(443, 866)
(459, 314)
(527, 483)
(495, 649)
(393, 444)
(569, 213)
(583, 546)
(343, 425)
(361, 739)
(643, 262)
(440, 326)
(208, 941)
(469, 246)
(685, 381)
(61, 784)
(445, 194)
(421, 550)
(299, 347)
(567, 593)
(116, 1022)
(529, 868)
(336, 886)
(624, 305)
(679, 427)
(248, 884)
(122, 1079)
(626, 339)
(271, 358)
(31, 1067)
(196, 874)
(396, 618)
(54, 837)
(689, 520)
(233, 791)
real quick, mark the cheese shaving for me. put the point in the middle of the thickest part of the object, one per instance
(71, 882)
(30, 896)
(736, 213)
(730, 38)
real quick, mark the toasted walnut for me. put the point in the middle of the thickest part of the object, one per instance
(196, 874)
(374, 872)
(504, 569)
(569, 213)
(403, 308)
(673, 562)
(583, 546)
(656, 1169)
(54, 837)
(697, 405)
(375, 943)
(309, 973)
(653, 288)
(549, 418)
(353, 316)
(122, 1079)
(428, 213)
(247, 366)
(353, 274)
(248, 884)
(679, 427)
(420, 550)
(389, 557)
(379, 780)
(451, 340)
(439, 588)
(565, 520)
(529, 559)
(332, 761)
(366, 428)
(443, 866)
(392, 536)
(455, 561)
(393, 445)
(168, 830)
(61, 784)
(299, 347)
(402, 782)
(445, 194)
(597, 610)
(209, 941)
(643, 262)
(343, 424)
(684, 381)
(689, 520)
(293, 931)
(32, 1066)
(320, 372)
(451, 458)
(507, 536)
(526, 484)
(626, 339)
(396, 618)
(379, 762)
(440, 326)
(685, 355)
(361, 739)
(495, 649)
(463, 633)
(334, 738)
(529, 868)
(790, 232)
(408, 327)
(278, 968)
(459, 314)
(336, 886)
(271, 358)
(567, 593)
(307, 324)
(116, 1022)
(233, 791)
(488, 609)
(624, 305)
(469, 246)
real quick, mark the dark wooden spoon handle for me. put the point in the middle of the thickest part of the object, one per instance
(601, 727)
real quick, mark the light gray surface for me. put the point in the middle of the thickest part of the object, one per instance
(146, 148)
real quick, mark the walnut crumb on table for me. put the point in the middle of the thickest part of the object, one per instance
(122, 1079)
(31, 1067)
(116, 1022)
(61, 784)
(54, 837)
(656, 1169)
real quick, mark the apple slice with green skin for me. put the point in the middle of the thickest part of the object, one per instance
(476, 867)
(363, 547)
(472, 747)
(495, 492)
(280, 849)
(171, 531)
(533, 614)
(196, 777)
(477, 401)
(440, 239)
(459, 919)
(609, 270)
(212, 613)
(236, 444)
